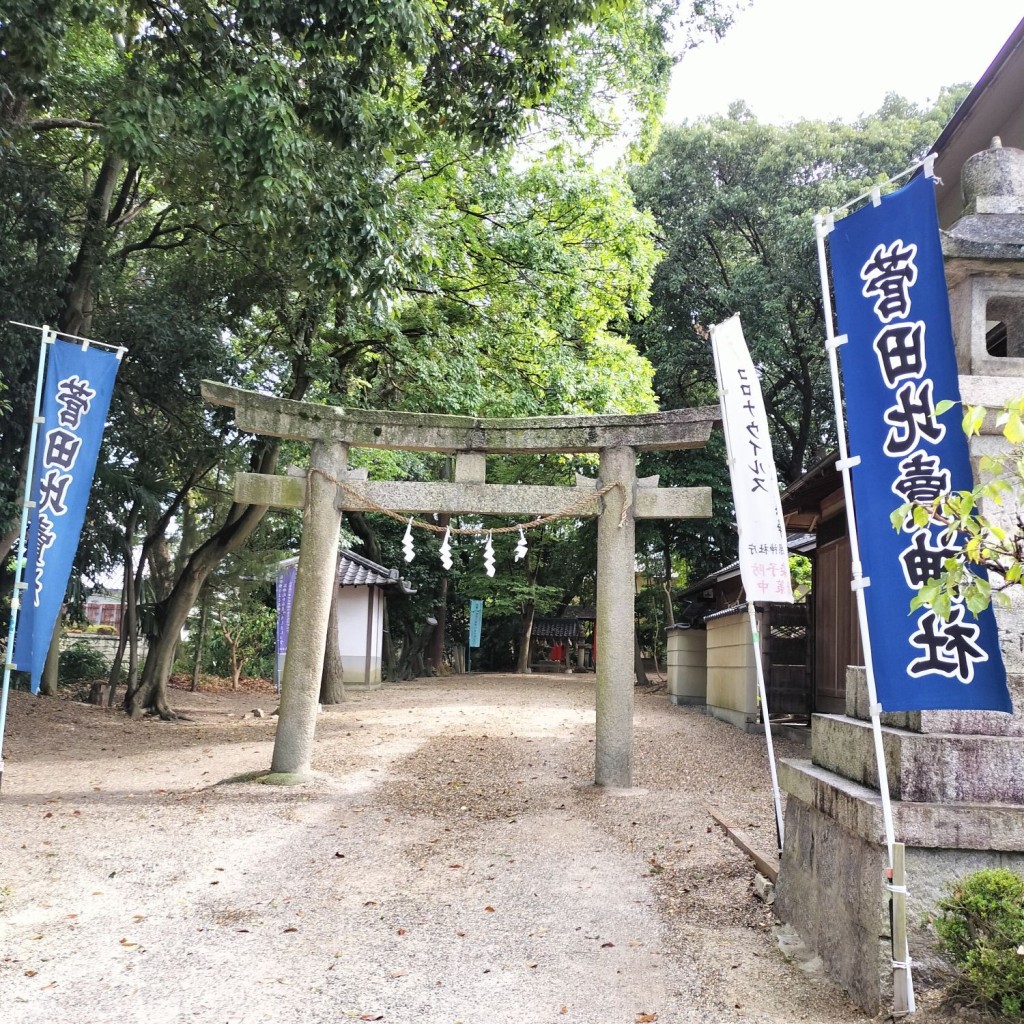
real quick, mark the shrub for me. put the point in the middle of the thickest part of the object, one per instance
(981, 930)
(80, 661)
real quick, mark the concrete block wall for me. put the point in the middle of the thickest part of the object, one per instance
(687, 662)
(732, 675)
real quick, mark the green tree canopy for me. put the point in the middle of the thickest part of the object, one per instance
(734, 198)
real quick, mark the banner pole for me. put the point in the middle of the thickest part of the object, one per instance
(47, 338)
(756, 640)
(903, 988)
(762, 692)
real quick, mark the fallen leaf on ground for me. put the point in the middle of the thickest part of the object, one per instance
(645, 1018)
(291, 929)
(489, 910)
(607, 945)
(401, 931)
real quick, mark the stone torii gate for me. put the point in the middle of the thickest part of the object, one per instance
(330, 488)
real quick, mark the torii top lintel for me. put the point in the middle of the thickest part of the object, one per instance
(362, 428)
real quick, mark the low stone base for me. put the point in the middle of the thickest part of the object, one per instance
(741, 719)
(682, 700)
(831, 885)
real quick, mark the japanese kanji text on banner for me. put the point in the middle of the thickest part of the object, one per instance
(76, 396)
(898, 363)
(763, 551)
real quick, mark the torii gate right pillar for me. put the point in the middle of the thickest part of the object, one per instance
(616, 559)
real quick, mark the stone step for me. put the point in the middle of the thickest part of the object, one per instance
(923, 767)
(858, 810)
(978, 723)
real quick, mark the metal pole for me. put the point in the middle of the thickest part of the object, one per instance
(903, 987)
(780, 831)
(47, 338)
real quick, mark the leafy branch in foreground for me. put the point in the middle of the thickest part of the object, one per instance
(979, 542)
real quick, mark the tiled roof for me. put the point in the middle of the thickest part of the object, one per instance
(555, 629)
(357, 571)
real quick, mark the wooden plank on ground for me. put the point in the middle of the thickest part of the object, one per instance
(765, 863)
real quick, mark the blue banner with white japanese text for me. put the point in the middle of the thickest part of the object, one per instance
(76, 396)
(898, 364)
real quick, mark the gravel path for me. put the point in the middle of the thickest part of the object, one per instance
(452, 862)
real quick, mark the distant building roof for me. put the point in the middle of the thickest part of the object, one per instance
(358, 571)
(555, 629)
(798, 544)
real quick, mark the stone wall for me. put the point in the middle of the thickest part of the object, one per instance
(105, 644)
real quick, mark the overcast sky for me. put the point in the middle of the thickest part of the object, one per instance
(790, 59)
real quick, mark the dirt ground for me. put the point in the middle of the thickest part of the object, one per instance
(451, 862)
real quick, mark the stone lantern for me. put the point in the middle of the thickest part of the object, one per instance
(984, 256)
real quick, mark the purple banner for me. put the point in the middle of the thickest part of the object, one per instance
(285, 593)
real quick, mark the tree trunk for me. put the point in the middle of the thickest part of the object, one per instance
(436, 654)
(667, 585)
(232, 642)
(80, 288)
(132, 681)
(638, 662)
(197, 662)
(525, 634)
(413, 665)
(9, 539)
(51, 674)
(128, 616)
(172, 613)
(332, 678)
(390, 661)
(529, 614)
(161, 566)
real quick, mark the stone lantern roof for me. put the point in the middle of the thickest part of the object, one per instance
(992, 225)
(984, 262)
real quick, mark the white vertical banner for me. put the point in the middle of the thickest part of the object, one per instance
(763, 550)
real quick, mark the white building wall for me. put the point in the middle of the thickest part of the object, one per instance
(359, 624)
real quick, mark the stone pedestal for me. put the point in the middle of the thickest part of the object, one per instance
(687, 659)
(958, 805)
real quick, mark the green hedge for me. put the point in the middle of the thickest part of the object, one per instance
(981, 930)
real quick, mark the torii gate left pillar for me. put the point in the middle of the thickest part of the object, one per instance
(332, 488)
